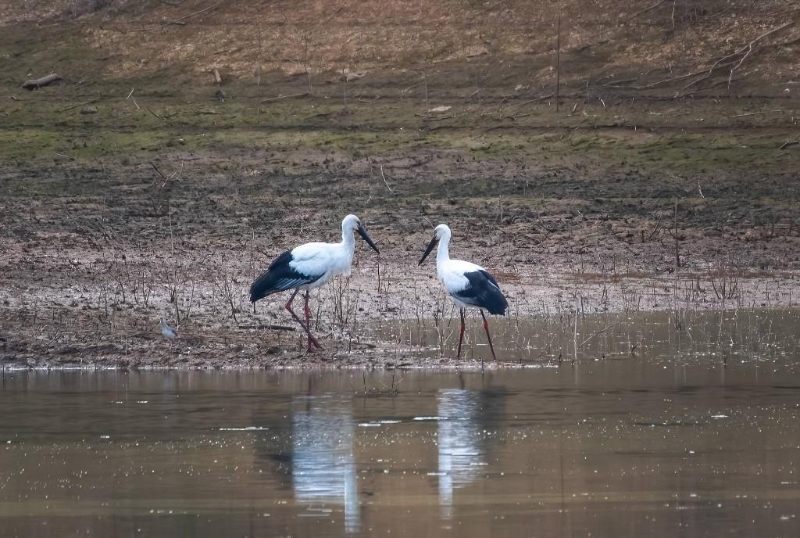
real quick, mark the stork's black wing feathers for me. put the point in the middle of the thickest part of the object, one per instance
(279, 277)
(483, 292)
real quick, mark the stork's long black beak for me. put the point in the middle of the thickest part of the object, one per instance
(363, 233)
(429, 249)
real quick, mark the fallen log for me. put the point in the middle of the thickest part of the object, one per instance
(35, 84)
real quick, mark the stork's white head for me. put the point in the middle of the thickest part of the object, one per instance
(351, 224)
(440, 233)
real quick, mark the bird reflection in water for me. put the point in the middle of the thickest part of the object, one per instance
(323, 465)
(463, 449)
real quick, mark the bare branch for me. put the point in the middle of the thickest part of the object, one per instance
(190, 15)
(385, 182)
(746, 50)
(147, 108)
(159, 171)
(789, 143)
(645, 10)
(89, 102)
(304, 94)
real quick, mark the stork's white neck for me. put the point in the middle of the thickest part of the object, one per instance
(443, 251)
(348, 241)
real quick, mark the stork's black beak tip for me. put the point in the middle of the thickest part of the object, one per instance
(363, 233)
(429, 249)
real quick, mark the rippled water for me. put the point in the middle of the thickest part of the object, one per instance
(652, 444)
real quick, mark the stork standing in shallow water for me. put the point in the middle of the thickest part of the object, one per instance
(310, 266)
(466, 283)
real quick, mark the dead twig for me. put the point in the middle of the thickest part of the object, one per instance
(613, 83)
(653, 84)
(439, 118)
(754, 113)
(598, 333)
(89, 102)
(159, 171)
(513, 115)
(677, 238)
(298, 95)
(645, 10)
(130, 95)
(386, 182)
(147, 108)
(558, 58)
(190, 15)
(270, 327)
(730, 58)
(217, 76)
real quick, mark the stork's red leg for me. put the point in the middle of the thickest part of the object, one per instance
(288, 306)
(308, 319)
(461, 333)
(488, 336)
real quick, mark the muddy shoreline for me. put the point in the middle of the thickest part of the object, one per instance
(93, 256)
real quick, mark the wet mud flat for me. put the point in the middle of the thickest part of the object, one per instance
(144, 187)
(93, 257)
(569, 320)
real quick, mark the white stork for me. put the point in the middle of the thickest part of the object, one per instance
(466, 283)
(310, 266)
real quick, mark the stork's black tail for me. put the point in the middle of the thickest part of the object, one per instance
(484, 292)
(496, 303)
(264, 285)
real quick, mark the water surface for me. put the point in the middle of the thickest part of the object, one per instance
(702, 440)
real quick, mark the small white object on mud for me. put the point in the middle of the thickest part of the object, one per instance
(167, 331)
